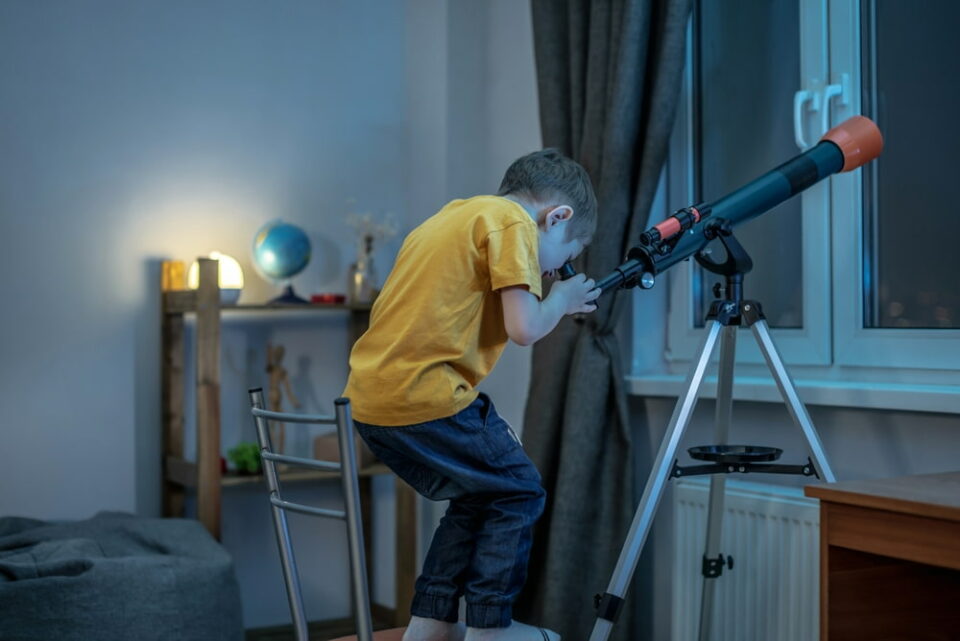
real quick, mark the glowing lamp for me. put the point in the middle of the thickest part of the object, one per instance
(230, 277)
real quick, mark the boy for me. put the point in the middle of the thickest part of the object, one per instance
(465, 281)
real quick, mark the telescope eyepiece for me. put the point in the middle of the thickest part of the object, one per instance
(566, 271)
(650, 237)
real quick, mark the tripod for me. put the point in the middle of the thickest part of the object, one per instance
(726, 315)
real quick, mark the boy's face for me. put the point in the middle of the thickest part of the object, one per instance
(555, 248)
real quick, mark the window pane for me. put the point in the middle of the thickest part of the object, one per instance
(748, 68)
(911, 62)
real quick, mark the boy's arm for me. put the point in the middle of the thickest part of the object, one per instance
(527, 319)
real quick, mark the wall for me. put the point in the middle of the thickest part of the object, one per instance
(134, 132)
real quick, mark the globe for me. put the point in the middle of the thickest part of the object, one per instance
(280, 252)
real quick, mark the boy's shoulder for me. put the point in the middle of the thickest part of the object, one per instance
(485, 214)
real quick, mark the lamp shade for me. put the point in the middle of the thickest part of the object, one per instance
(230, 277)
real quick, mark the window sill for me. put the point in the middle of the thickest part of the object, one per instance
(886, 396)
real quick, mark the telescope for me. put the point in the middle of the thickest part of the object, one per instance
(687, 231)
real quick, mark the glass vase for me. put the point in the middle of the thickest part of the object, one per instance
(362, 281)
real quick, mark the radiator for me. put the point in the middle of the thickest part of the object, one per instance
(772, 592)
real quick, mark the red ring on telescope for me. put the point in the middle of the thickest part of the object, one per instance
(668, 227)
(672, 225)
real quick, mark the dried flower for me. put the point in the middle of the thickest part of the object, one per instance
(369, 228)
(366, 225)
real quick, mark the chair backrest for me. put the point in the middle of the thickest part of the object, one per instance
(351, 512)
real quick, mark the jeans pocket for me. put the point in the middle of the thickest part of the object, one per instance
(472, 418)
(486, 409)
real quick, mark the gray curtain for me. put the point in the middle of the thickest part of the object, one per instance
(609, 76)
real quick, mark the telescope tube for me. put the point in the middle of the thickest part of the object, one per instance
(846, 147)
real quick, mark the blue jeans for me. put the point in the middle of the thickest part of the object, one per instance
(481, 547)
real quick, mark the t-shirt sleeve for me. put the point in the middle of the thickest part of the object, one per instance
(512, 257)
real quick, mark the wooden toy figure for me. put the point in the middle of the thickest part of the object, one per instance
(278, 377)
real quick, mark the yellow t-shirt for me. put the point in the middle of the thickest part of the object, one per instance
(436, 330)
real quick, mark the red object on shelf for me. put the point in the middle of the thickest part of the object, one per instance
(329, 299)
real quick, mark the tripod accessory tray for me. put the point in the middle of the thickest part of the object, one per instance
(735, 453)
(739, 459)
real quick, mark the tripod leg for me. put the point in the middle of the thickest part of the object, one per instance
(659, 475)
(718, 482)
(789, 392)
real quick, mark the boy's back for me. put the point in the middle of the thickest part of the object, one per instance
(437, 330)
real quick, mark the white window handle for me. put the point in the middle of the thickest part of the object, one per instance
(801, 98)
(832, 91)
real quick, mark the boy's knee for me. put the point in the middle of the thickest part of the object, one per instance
(527, 502)
(540, 506)
(537, 502)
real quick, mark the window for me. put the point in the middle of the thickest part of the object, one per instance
(905, 289)
(858, 275)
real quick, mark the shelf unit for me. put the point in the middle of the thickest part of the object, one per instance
(204, 475)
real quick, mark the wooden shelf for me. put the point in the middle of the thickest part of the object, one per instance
(287, 476)
(185, 302)
(184, 474)
(204, 474)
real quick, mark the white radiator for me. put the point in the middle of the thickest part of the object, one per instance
(772, 592)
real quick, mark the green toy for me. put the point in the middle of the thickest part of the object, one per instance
(245, 458)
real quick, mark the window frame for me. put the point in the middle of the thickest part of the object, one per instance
(856, 345)
(811, 343)
(843, 364)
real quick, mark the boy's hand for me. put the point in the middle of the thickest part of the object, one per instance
(575, 294)
(527, 319)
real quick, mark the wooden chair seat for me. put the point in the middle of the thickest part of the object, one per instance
(394, 634)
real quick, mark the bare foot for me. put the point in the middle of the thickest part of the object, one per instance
(421, 629)
(516, 632)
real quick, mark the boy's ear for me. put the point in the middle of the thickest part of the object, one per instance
(557, 215)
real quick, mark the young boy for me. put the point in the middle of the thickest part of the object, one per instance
(465, 281)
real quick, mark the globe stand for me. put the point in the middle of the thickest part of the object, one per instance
(289, 297)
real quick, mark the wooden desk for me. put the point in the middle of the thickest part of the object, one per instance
(890, 558)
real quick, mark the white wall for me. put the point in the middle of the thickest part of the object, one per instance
(138, 131)
(134, 132)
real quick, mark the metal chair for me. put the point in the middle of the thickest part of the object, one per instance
(351, 512)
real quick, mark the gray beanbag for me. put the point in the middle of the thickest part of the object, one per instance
(115, 576)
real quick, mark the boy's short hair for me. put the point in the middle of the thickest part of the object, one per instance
(549, 177)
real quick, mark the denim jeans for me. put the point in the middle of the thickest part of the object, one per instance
(482, 544)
